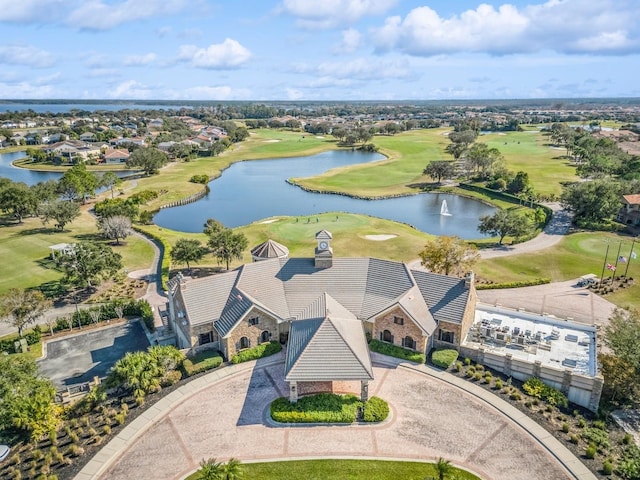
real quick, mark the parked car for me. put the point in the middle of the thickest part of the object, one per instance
(4, 452)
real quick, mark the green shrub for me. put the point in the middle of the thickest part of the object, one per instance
(575, 439)
(515, 395)
(626, 440)
(565, 427)
(538, 389)
(444, 358)
(467, 361)
(582, 423)
(498, 384)
(596, 437)
(607, 468)
(591, 451)
(458, 366)
(395, 351)
(261, 351)
(375, 410)
(600, 424)
(320, 408)
(201, 362)
(203, 179)
(480, 367)
(477, 376)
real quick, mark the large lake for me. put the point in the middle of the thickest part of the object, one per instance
(251, 191)
(31, 177)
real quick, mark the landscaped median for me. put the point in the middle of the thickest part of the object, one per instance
(262, 350)
(395, 351)
(329, 408)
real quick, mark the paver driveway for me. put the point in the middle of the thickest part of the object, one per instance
(429, 419)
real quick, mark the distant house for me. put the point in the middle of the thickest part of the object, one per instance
(165, 146)
(629, 214)
(156, 123)
(88, 137)
(73, 151)
(115, 155)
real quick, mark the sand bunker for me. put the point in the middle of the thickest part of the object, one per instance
(271, 220)
(275, 140)
(379, 238)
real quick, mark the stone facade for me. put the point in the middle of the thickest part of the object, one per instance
(459, 330)
(308, 388)
(387, 322)
(246, 328)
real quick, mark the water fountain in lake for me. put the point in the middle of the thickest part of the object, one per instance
(444, 210)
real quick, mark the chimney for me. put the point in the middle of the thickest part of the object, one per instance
(469, 280)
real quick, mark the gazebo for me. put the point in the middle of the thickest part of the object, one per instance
(269, 249)
(327, 349)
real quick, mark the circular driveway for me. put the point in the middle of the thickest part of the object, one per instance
(225, 417)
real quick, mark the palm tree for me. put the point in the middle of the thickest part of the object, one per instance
(211, 470)
(443, 468)
(232, 470)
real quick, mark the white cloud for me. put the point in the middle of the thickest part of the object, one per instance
(25, 90)
(569, 26)
(25, 55)
(101, 15)
(103, 73)
(225, 55)
(330, 13)
(351, 41)
(358, 69)
(294, 94)
(130, 89)
(30, 11)
(140, 60)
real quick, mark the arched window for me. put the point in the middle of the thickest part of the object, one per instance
(408, 342)
(386, 336)
(244, 343)
(264, 336)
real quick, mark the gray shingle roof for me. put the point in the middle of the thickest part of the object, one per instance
(330, 347)
(324, 235)
(446, 297)
(270, 249)
(287, 287)
(202, 302)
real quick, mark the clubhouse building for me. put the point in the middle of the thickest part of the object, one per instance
(324, 308)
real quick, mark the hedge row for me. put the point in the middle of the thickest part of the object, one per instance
(395, 351)
(328, 408)
(444, 358)
(522, 283)
(32, 337)
(107, 311)
(262, 350)
(166, 255)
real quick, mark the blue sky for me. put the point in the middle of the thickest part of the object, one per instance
(318, 49)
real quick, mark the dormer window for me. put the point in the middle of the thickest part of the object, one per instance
(254, 321)
(398, 320)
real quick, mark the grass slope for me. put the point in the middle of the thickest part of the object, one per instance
(576, 255)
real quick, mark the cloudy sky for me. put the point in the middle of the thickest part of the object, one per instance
(318, 49)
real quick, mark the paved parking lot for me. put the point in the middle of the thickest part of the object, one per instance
(80, 357)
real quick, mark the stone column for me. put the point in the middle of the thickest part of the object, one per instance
(481, 356)
(364, 390)
(566, 381)
(596, 391)
(507, 364)
(293, 392)
(537, 368)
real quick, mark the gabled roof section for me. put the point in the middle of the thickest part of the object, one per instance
(329, 348)
(414, 304)
(205, 298)
(386, 282)
(324, 235)
(259, 281)
(446, 297)
(237, 305)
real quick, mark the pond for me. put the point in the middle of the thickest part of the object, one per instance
(31, 177)
(254, 190)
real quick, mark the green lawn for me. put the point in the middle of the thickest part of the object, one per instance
(530, 151)
(344, 470)
(576, 255)
(24, 249)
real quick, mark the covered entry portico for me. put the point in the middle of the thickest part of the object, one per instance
(327, 352)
